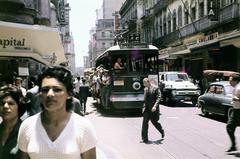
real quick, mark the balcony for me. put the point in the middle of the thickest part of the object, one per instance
(162, 4)
(148, 16)
(226, 14)
(229, 13)
(165, 40)
(196, 26)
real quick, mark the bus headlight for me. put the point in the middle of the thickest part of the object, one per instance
(136, 86)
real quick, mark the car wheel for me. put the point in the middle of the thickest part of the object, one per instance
(203, 111)
(194, 101)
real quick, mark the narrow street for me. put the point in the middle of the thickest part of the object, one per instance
(188, 135)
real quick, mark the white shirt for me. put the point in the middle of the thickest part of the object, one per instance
(236, 92)
(24, 91)
(77, 85)
(77, 137)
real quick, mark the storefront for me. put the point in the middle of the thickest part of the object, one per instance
(24, 46)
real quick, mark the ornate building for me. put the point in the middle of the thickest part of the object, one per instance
(30, 36)
(105, 30)
(192, 35)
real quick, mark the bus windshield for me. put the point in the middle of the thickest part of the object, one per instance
(135, 61)
(177, 77)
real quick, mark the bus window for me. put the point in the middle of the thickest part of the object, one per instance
(151, 63)
(136, 64)
(119, 64)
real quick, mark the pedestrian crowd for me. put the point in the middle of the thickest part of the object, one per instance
(51, 114)
(99, 85)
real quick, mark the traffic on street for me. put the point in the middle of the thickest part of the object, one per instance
(148, 79)
(188, 134)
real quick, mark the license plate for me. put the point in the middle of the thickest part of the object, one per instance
(187, 98)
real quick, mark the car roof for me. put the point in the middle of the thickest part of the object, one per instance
(224, 83)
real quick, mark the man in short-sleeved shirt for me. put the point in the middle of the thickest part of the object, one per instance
(234, 116)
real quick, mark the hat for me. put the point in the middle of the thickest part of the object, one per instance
(19, 78)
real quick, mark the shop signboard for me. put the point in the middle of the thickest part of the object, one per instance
(23, 71)
(213, 9)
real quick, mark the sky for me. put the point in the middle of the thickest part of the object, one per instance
(82, 19)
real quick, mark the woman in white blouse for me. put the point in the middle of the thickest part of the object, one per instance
(57, 132)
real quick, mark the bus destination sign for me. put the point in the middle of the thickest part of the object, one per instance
(133, 45)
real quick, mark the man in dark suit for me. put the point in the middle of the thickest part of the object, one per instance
(152, 97)
(83, 94)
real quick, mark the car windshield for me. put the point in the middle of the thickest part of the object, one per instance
(177, 77)
(229, 90)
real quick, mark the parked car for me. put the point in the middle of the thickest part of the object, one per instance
(217, 99)
(210, 76)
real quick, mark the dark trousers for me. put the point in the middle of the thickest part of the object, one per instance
(233, 122)
(83, 103)
(154, 117)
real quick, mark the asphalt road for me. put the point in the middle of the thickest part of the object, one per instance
(188, 135)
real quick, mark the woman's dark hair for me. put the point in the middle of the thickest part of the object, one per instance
(16, 94)
(63, 75)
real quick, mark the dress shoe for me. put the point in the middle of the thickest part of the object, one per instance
(233, 148)
(145, 141)
(163, 134)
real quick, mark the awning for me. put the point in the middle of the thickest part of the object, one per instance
(164, 53)
(34, 41)
(215, 73)
(234, 41)
(181, 52)
(163, 56)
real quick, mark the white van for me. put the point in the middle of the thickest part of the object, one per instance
(176, 86)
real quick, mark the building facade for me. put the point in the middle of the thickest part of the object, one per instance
(68, 41)
(192, 35)
(30, 36)
(104, 34)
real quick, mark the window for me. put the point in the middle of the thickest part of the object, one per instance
(156, 29)
(201, 10)
(180, 16)
(186, 12)
(219, 90)
(160, 26)
(103, 34)
(211, 89)
(193, 9)
(193, 13)
(169, 23)
(164, 25)
(174, 20)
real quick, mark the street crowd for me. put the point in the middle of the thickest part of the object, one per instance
(36, 122)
